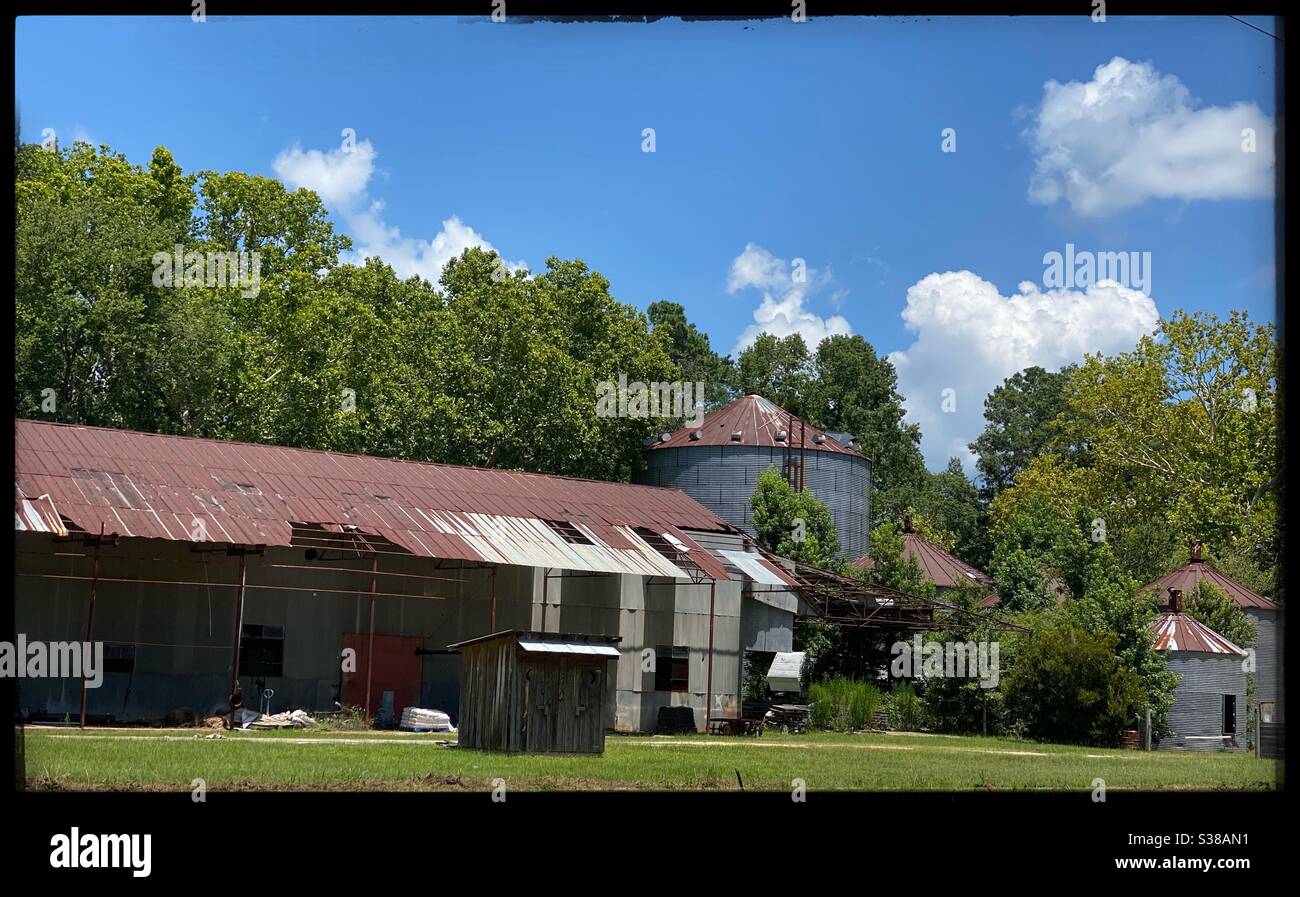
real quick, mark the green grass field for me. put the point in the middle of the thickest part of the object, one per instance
(151, 759)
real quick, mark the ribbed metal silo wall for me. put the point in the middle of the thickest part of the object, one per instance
(1196, 717)
(1268, 658)
(722, 477)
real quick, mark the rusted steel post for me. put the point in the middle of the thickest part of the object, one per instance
(370, 651)
(236, 699)
(708, 697)
(90, 625)
(803, 450)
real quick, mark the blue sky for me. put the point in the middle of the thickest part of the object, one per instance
(820, 141)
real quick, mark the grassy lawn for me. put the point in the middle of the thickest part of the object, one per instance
(152, 759)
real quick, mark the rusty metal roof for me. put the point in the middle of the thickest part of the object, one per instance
(1188, 576)
(758, 421)
(154, 486)
(937, 565)
(1182, 632)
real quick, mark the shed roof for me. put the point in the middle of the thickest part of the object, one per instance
(552, 642)
(758, 420)
(180, 488)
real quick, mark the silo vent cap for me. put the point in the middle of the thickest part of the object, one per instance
(664, 437)
(780, 435)
(697, 435)
(735, 435)
(819, 439)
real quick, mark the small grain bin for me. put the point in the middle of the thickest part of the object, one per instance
(1209, 709)
(535, 692)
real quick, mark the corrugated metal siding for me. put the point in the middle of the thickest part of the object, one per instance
(723, 478)
(1196, 717)
(1268, 656)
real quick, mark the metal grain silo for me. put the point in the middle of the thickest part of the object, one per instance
(718, 462)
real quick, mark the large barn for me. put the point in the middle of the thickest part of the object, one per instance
(164, 547)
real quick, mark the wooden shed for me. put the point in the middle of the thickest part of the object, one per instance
(535, 692)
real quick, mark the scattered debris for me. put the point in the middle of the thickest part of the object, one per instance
(788, 717)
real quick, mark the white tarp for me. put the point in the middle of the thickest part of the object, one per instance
(783, 674)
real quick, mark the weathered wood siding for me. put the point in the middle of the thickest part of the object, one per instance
(515, 701)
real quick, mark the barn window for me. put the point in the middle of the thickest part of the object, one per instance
(261, 650)
(672, 667)
(119, 658)
(1266, 712)
(1229, 714)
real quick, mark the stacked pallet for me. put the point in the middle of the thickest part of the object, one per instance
(788, 717)
(417, 719)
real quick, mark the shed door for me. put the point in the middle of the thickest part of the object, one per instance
(589, 710)
(541, 685)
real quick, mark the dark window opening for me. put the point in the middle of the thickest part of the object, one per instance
(261, 650)
(119, 658)
(568, 532)
(1229, 714)
(672, 668)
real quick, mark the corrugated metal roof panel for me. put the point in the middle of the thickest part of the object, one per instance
(138, 484)
(1183, 632)
(758, 420)
(1188, 576)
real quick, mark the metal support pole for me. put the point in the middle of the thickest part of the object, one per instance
(236, 699)
(708, 698)
(546, 581)
(90, 626)
(1148, 729)
(494, 600)
(370, 651)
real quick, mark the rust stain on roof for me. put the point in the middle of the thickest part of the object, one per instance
(154, 486)
(1182, 632)
(758, 421)
(1187, 577)
(940, 567)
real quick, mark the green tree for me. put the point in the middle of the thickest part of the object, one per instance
(1021, 416)
(1188, 419)
(690, 350)
(1067, 685)
(854, 390)
(779, 369)
(1210, 605)
(1109, 603)
(793, 524)
(893, 569)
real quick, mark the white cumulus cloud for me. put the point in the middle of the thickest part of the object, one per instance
(969, 338)
(785, 285)
(338, 176)
(341, 177)
(1132, 134)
